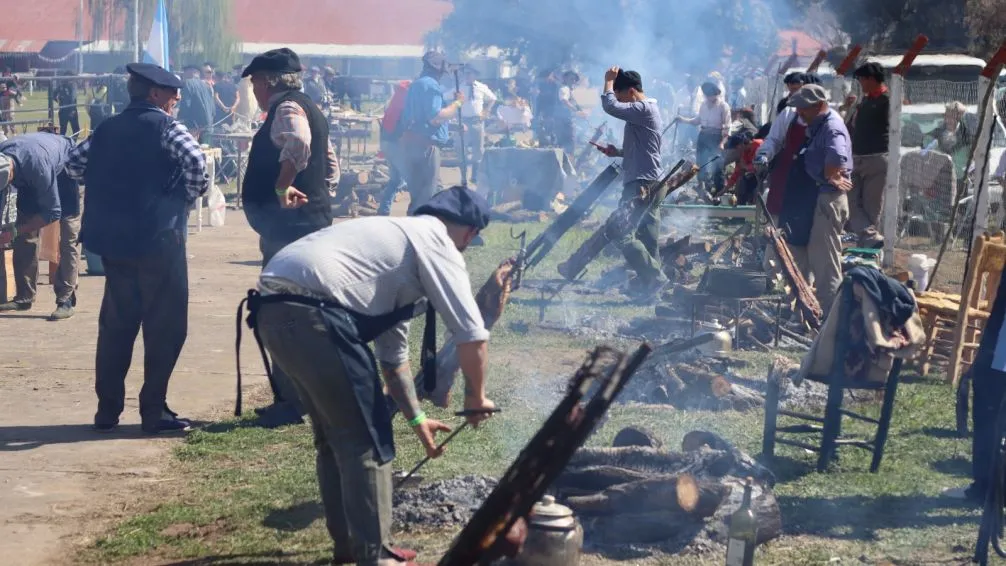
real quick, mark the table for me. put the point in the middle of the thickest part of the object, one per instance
(211, 154)
(348, 126)
(240, 140)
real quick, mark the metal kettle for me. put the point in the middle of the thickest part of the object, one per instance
(554, 536)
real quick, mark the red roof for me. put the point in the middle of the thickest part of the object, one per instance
(338, 22)
(806, 46)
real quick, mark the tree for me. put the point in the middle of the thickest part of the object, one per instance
(894, 24)
(197, 30)
(653, 36)
(987, 22)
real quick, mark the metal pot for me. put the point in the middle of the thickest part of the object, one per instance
(554, 536)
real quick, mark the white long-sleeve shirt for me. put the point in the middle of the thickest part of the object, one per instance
(776, 138)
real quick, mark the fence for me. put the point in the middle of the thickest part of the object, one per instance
(25, 113)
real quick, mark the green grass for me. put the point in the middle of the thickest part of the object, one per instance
(250, 494)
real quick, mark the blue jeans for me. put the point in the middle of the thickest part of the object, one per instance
(396, 182)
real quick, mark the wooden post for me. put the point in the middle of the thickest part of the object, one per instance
(892, 199)
(986, 124)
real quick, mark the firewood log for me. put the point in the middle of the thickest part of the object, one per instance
(681, 493)
(696, 439)
(703, 247)
(699, 379)
(639, 458)
(596, 478)
(636, 436)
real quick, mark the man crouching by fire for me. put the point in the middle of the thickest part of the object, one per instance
(623, 98)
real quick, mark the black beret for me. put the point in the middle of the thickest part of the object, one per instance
(159, 76)
(628, 79)
(711, 89)
(811, 78)
(282, 60)
(795, 78)
(870, 70)
(458, 204)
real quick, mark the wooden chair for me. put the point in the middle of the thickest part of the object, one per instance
(988, 257)
(830, 425)
(939, 314)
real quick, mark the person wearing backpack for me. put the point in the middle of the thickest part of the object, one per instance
(389, 145)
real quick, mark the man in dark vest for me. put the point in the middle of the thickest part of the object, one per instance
(286, 193)
(142, 170)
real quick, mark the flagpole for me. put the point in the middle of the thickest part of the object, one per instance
(80, 38)
(136, 30)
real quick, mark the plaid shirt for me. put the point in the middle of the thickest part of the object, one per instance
(182, 148)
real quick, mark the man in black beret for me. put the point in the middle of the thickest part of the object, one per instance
(292, 170)
(142, 171)
(324, 298)
(196, 108)
(869, 123)
(623, 98)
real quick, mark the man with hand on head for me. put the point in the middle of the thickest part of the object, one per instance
(623, 98)
(323, 299)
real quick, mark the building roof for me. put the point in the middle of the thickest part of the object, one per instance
(806, 46)
(338, 22)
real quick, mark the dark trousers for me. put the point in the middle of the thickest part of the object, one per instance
(706, 148)
(69, 117)
(640, 247)
(989, 389)
(150, 292)
(283, 390)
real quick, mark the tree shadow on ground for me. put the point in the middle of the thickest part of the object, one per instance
(954, 466)
(294, 518)
(20, 438)
(859, 517)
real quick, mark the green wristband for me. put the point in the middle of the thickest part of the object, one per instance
(281, 192)
(420, 419)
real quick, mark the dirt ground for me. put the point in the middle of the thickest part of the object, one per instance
(59, 480)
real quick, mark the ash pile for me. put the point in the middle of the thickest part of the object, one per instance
(638, 495)
(440, 504)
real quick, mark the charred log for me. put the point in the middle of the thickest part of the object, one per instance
(682, 494)
(636, 436)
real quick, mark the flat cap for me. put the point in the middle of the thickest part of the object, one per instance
(808, 96)
(154, 74)
(710, 88)
(460, 205)
(282, 60)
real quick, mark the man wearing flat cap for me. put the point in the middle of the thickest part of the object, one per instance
(623, 98)
(142, 171)
(713, 121)
(323, 299)
(869, 122)
(292, 170)
(815, 207)
(423, 128)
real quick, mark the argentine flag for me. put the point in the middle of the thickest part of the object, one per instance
(156, 51)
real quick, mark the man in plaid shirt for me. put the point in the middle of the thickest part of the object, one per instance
(142, 170)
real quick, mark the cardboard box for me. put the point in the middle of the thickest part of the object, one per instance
(7, 289)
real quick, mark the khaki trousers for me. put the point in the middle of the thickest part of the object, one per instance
(821, 258)
(866, 200)
(26, 263)
(355, 489)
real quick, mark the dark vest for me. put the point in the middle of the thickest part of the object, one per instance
(134, 190)
(258, 192)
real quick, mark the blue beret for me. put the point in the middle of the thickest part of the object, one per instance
(155, 74)
(282, 60)
(460, 205)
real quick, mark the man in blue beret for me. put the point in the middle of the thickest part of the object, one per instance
(323, 299)
(142, 170)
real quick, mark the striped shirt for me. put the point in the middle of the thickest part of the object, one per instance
(181, 147)
(375, 265)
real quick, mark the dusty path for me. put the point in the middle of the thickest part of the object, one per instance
(56, 475)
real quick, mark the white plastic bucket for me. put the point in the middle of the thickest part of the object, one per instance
(921, 265)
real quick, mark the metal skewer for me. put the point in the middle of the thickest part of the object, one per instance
(401, 482)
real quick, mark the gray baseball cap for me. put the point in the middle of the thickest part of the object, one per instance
(808, 96)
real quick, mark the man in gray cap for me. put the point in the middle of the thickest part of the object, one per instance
(292, 170)
(423, 128)
(323, 299)
(815, 205)
(142, 171)
(32, 168)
